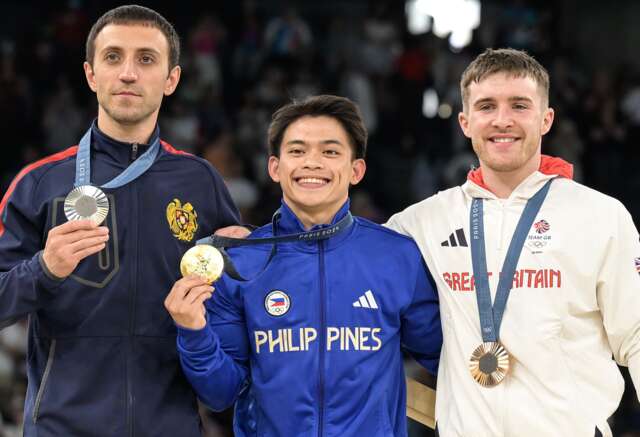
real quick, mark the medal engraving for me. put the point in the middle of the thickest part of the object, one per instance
(203, 260)
(489, 364)
(86, 202)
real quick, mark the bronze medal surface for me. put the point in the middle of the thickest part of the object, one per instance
(489, 364)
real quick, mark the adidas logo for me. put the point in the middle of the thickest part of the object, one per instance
(456, 239)
(366, 301)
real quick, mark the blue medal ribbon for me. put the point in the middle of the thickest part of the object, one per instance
(132, 172)
(491, 316)
(220, 242)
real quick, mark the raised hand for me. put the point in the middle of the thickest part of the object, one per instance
(185, 301)
(70, 243)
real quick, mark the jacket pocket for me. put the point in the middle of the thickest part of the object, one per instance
(43, 383)
(97, 270)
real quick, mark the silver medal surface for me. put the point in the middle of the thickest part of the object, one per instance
(86, 202)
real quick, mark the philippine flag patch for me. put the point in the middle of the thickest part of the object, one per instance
(277, 303)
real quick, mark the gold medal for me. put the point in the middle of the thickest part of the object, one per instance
(203, 260)
(489, 364)
(86, 202)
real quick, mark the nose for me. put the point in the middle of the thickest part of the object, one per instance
(129, 72)
(503, 118)
(312, 159)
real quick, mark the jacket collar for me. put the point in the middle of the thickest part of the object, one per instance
(289, 223)
(119, 152)
(550, 168)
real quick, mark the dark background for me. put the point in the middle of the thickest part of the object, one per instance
(243, 59)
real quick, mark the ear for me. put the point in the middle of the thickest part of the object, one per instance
(463, 120)
(172, 80)
(91, 78)
(547, 120)
(273, 165)
(358, 169)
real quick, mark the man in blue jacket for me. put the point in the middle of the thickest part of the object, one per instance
(102, 359)
(311, 345)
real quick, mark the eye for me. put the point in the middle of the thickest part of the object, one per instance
(295, 151)
(520, 106)
(112, 57)
(147, 59)
(332, 152)
(485, 107)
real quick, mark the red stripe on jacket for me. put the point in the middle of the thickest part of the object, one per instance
(169, 148)
(71, 151)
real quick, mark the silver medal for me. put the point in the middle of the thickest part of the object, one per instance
(86, 202)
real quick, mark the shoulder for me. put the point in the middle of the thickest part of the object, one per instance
(385, 240)
(428, 208)
(374, 230)
(576, 195)
(194, 163)
(34, 172)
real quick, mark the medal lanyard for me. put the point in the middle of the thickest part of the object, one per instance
(133, 171)
(491, 316)
(220, 242)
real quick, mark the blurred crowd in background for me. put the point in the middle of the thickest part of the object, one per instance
(241, 60)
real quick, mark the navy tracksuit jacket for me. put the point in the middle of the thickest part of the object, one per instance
(101, 353)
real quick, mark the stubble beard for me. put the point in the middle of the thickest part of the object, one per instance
(514, 163)
(128, 116)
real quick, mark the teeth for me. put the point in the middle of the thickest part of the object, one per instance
(503, 140)
(311, 181)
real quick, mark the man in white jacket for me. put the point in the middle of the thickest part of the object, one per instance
(571, 296)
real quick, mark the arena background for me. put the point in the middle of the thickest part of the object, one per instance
(243, 59)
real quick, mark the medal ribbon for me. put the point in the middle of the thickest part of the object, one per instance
(133, 171)
(221, 243)
(491, 316)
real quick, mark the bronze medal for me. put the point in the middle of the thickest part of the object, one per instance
(203, 260)
(86, 202)
(489, 364)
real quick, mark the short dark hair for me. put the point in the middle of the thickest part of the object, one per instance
(340, 108)
(135, 14)
(517, 63)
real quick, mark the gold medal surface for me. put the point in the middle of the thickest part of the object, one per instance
(203, 260)
(489, 364)
(86, 202)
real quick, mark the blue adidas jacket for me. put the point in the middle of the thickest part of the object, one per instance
(101, 353)
(311, 347)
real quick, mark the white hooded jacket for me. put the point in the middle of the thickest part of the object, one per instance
(574, 305)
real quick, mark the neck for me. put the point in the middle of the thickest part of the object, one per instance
(502, 183)
(127, 133)
(310, 218)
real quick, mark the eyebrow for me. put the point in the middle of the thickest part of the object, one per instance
(302, 142)
(120, 49)
(511, 99)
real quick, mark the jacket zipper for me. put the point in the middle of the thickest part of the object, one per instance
(132, 307)
(134, 151)
(45, 378)
(322, 341)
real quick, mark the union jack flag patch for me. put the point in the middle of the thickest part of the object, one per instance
(637, 262)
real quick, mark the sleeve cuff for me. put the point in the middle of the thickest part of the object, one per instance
(195, 339)
(46, 270)
(43, 276)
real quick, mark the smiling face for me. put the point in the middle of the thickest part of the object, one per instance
(315, 168)
(505, 117)
(130, 74)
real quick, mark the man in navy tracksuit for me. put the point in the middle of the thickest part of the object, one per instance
(101, 358)
(311, 345)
